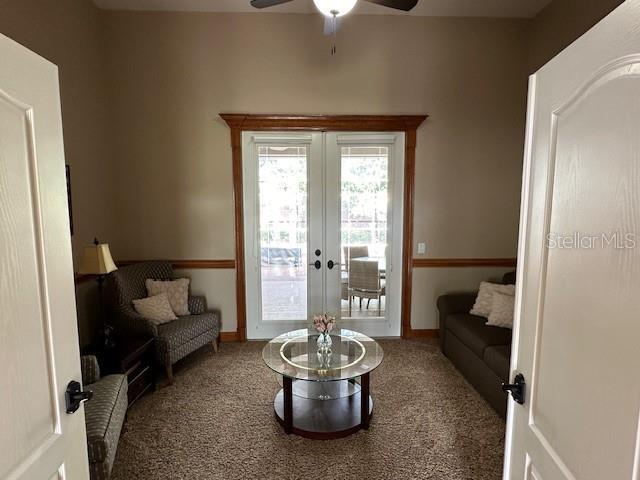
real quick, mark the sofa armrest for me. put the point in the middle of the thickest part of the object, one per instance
(509, 278)
(90, 369)
(450, 304)
(132, 322)
(456, 303)
(197, 304)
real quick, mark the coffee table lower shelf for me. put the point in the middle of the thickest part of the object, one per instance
(324, 419)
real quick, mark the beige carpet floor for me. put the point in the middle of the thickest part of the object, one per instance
(217, 422)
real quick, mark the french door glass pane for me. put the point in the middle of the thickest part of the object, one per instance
(364, 174)
(283, 190)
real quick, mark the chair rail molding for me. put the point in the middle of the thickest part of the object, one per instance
(239, 122)
(230, 264)
(187, 264)
(463, 262)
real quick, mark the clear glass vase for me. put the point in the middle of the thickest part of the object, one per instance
(324, 343)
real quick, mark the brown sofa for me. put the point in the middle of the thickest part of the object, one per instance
(480, 352)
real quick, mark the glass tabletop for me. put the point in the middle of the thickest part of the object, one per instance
(295, 354)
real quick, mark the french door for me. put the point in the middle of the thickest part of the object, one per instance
(323, 226)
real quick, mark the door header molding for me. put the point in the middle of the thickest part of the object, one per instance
(242, 122)
(354, 123)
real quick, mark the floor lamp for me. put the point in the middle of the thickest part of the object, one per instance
(97, 261)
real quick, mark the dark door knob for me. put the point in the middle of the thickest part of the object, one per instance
(517, 388)
(331, 264)
(316, 264)
(74, 396)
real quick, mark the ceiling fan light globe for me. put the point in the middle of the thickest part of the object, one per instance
(337, 8)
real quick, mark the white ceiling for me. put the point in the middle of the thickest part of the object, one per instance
(428, 8)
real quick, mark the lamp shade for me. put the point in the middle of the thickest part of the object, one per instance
(334, 8)
(97, 260)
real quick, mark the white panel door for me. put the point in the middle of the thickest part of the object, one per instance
(577, 329)
(38, 333)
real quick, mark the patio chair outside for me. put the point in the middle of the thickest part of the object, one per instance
(365, 282)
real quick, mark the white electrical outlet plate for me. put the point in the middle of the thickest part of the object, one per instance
(422, 248)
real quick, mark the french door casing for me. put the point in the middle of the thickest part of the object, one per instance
(289, 271)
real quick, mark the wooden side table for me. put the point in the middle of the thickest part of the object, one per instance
(135, 357)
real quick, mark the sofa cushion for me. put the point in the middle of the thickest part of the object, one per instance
(104, 415)
(179, 338)
(185, 328)
(498, 358)
(472, 331)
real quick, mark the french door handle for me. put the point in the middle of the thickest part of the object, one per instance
(316, 264)
(331, 264)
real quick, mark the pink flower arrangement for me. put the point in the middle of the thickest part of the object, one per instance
(324, 323)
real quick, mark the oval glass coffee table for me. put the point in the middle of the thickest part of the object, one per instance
(324, 395)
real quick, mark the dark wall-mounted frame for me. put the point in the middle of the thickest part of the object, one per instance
(70, 203)
(408, 124)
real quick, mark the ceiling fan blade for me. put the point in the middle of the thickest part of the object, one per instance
(331, 25)
(267, 3)
(404, 5)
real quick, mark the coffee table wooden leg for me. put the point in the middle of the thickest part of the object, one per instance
(364, 401)
(287, 385)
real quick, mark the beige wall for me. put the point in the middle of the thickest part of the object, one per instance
(219, 288)
(560, 23)
(69, 34)
(170, 75)
(153, 177)
(151, 161)
(430, 283)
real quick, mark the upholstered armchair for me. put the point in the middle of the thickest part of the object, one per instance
(173, 340)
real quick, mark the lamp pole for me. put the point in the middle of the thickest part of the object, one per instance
(106, 330)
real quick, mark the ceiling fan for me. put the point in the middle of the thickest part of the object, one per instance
(340, 7)
(334, 9)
